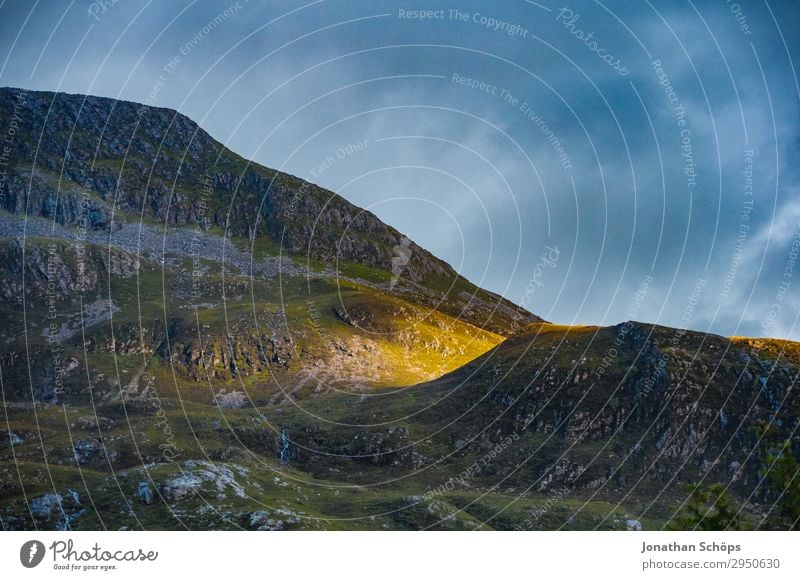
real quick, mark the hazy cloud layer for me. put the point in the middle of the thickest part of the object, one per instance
(650, 144)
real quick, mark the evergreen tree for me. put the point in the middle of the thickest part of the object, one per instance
(783, 473)
(709, 509)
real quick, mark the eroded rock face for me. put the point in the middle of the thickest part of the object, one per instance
(86, 450)
(60, 270)
(262, 521)
(234, 358)
(204, 477)
(56, 511)
(182, 486)
(38, 270)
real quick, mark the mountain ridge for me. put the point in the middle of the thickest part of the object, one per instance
(199, 188)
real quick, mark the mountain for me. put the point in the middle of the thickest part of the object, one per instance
(147, 186)
(192, 340)
(102, 163)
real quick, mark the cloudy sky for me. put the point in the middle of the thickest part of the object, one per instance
(649, 149)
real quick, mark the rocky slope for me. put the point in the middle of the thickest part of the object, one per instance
(96, 163)
(631, 415)
(192, 369)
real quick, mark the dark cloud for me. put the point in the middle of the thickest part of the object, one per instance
(556, 149)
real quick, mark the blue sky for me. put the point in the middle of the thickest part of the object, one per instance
(652, 144)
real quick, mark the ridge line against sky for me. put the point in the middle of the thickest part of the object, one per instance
(650, 146)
